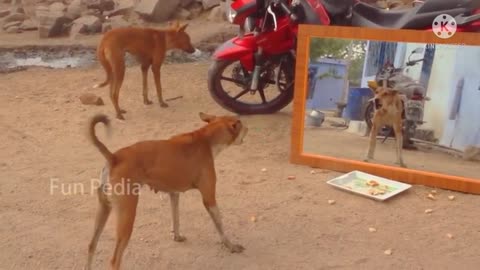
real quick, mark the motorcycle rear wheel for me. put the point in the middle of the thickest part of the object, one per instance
(222, 96)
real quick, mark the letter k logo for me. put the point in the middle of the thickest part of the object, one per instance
(444, 26)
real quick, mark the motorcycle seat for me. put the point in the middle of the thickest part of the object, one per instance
(365, 15)
(370, 16)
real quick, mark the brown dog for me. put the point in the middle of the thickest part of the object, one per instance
(388, 112)
(181, 163)
(149, 46)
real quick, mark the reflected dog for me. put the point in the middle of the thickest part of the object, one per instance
(389, 108)
(181, 163)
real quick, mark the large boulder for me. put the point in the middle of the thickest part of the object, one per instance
(217, 14)
(122, 7)
(208, 4)
(15, 17)
(157, 10)
(4, 13)
(52, 20)
(183, 14)
(115, 22)
(101, 5)
(29, 25)
(88, 24)
(11, 24)
(75, 9)
(28, 7)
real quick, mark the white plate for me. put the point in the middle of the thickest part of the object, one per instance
(355, 182)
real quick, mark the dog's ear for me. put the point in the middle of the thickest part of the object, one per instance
(206, 117)
(182, 28)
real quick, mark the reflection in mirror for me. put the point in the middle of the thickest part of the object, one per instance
(412, 105)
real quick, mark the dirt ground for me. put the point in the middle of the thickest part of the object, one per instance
(43, 137)
(328, 140)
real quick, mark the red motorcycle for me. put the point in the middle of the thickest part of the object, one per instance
(262, 56)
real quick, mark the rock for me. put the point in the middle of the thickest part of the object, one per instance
(91, 24)
(115, 22)
(217, 14)
(208, 4)
(157, 10)
(185, 3)
(122, 7)
(11, 24)
(57, 8)
(15, 17)
(183, 14)
(4, 13)
(52, 22)
(13, 30)
(118, 22)
(28, 7)
(103, 5)
(75, 9)
(29, 25)
(91, 99)
(106, 27)
(195, 9)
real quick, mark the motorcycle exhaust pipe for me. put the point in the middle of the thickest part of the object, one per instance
(257, 70)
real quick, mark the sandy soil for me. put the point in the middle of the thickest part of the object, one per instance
(328, 140)
(43, 137)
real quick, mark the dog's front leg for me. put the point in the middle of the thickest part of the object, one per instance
(207, 189)
(174, 202)
(397, 128)
(372, 141)
(145, 68)
(217, 220)
(158, 84)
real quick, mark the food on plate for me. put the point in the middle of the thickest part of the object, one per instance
(376, 191)
(372, 183)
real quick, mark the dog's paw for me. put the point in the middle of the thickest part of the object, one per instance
(123, 111)
(179, 238)
(147, 102)
(163, 105)
(120, 117)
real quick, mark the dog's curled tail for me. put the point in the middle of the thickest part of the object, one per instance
(101, 118)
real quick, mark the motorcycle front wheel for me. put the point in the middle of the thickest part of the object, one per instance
(229, 86)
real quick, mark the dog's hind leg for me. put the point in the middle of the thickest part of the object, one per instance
(158, 84)
(103, 212)
(174, 202)
(125, 208)
(145, 68)
(118, 67)
(373, 139)
(106, 66)
(207, 189)
(397, 127)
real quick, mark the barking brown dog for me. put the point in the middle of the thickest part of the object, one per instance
(181, 163)
(388, 111)
(148, 46)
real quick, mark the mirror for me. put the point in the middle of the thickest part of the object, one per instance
(357, 91)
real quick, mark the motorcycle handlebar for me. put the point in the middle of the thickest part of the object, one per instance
(287, 9)
(413, 62)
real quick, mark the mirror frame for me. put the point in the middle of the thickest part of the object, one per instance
(410, 176)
